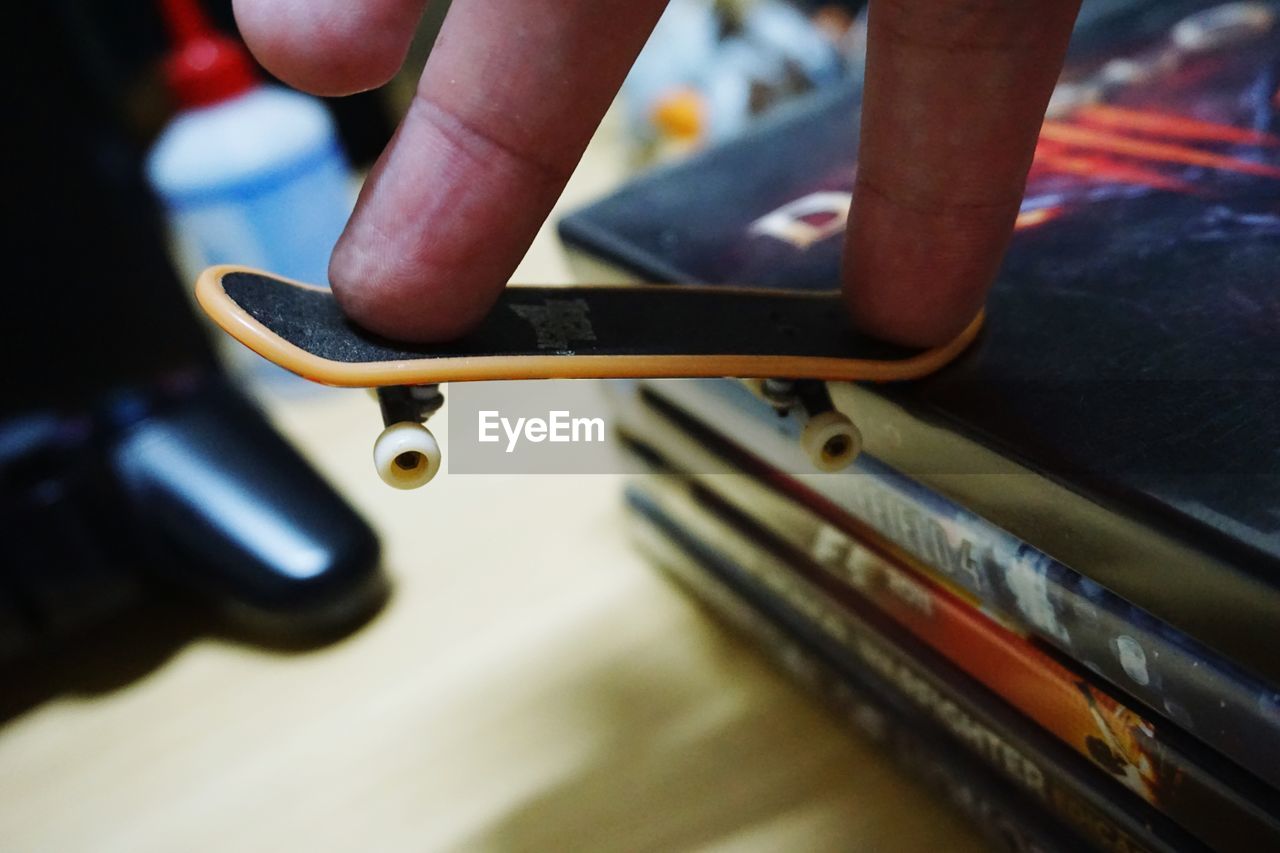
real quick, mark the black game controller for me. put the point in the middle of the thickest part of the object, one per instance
(184, 490)
(128, 463)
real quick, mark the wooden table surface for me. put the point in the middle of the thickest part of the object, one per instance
(533, 685)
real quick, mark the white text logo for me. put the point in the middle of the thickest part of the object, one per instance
(558, 427)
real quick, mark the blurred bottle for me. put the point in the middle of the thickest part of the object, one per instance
(249, 173)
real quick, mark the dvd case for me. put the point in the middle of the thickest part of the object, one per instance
(869, 647)
(1223, 706)
(1150, 756)
(1006, 817)
(1128, 380)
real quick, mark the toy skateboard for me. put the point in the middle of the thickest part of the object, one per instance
(799, 340)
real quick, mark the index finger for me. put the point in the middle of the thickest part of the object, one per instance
(511, 94)
(955, 94)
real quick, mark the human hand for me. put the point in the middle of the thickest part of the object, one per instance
(955, 94)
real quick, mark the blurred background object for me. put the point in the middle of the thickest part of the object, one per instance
(715, 66)
(249, 173)
(130, 470)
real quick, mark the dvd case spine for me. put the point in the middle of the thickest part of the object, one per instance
(1005, 817)
(1223, 706)
(1183, 778)
(867, 646)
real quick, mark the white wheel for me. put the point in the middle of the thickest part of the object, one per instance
(831, 441)
(406, 455)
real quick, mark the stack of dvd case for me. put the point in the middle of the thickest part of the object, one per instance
(1050, 585)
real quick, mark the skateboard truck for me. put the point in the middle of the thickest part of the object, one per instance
(829, 438)
(406, 454)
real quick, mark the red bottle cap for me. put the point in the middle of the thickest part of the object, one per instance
(204, 67)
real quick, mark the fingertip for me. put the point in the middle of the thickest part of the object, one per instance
(327, 49)
(403, 303)
(909, 321)
(474, 168)
(918, 278)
